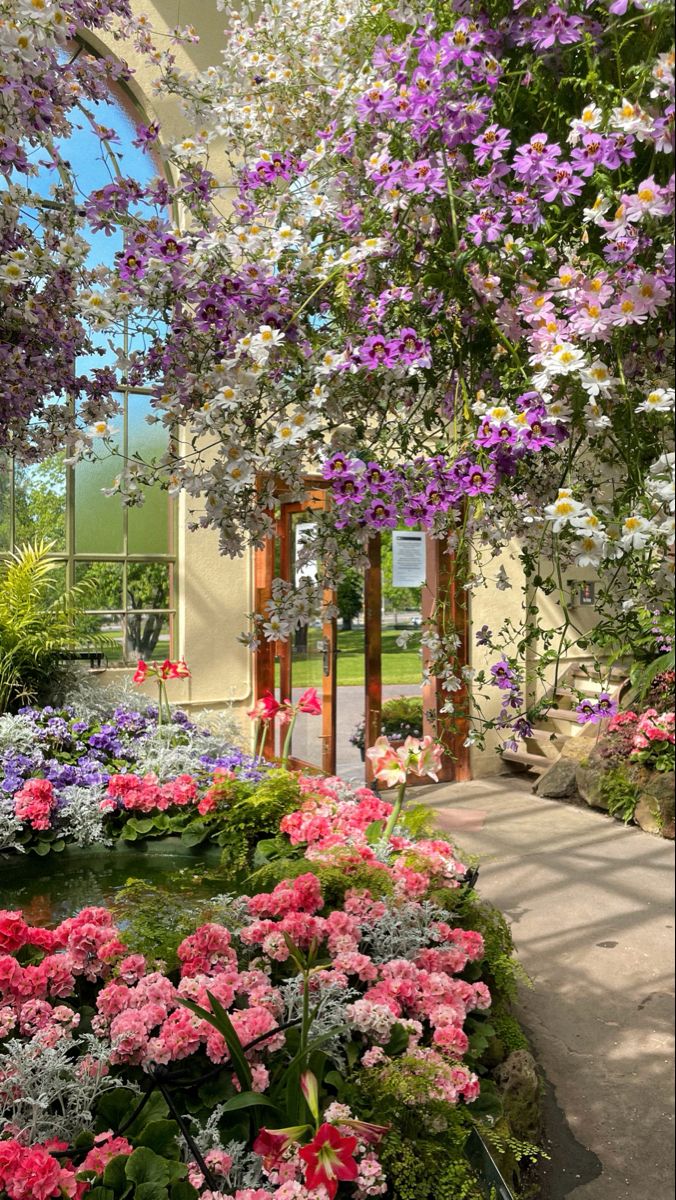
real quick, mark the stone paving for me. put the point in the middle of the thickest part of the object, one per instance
(592, 908)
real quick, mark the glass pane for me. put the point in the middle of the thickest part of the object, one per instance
(106, 635)
(102, 583)
(98, 518)
(5, 503)
(307, 655)
(148, 636)
(148, 585)
(40, 503)
(148, 526)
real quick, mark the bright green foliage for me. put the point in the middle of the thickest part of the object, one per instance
(620, 793)
(334, 880)
(421, 1164)
(253, 817)
(155, 919)
(38, 624)
(501, 970)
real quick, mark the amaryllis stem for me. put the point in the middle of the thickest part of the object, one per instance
(287, 740)
(396, 812)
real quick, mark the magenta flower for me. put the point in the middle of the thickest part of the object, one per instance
(536, 158)
(378, 351)
(411, 348)
(491, 144)
(562, 185)
(381, 515)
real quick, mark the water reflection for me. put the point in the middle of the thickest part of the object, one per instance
(48, 890)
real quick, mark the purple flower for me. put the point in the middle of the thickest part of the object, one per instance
(536, 158)
(483, 636)
(348, 488)
(503, 675)
(487, 225)
(411, 348)
(381, 515)
(421, 177)
(339, 465)
(377, 351)
(492, 144)
(563, 184)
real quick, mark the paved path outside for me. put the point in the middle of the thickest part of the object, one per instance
(591, 904)
(349, 712)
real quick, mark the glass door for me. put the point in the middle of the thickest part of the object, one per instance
(307, 661)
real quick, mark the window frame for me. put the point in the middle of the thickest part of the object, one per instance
(71, 558)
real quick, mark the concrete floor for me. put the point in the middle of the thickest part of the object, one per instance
(592, 908)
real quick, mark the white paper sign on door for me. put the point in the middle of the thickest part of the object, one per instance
(305, 570)
(408, 558)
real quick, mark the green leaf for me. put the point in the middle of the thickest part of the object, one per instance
(488, 1103)
(183, 1191)
(161, 1136)
(144, 1166)
(398, 1043)
(114, 1175)
(141, 824)
(374, 832)
(194, 835)
(101, 1193)
(251, 1100)
(220, 1020)
(114, 1106)
(151, 1191)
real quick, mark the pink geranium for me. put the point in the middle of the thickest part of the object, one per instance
(35, 803)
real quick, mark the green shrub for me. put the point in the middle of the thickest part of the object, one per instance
(39, 624)
(620, 793)
(401, 717)
(253, 817)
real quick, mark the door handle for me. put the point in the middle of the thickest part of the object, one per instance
(327, 653)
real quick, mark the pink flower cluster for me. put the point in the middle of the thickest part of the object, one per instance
(35, 803)
(143, 1019)
(653, 727)
(335, 830)
(147, 794)
(31, 1173)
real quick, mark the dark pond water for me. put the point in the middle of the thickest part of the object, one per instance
(49, 889)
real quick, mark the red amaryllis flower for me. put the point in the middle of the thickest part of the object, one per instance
(310, 703)
(270, 1144)
(141, 672)
(329, 1159)
(265, 709)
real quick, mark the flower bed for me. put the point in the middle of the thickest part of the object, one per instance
(630, 772)
(325, 1029)
(69, 778)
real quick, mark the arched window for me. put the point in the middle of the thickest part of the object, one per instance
(127, 555)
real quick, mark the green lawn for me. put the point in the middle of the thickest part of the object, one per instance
(399, 666)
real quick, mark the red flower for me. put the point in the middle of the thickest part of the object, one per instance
(310, 703)
(141, 672)
(265, 709)
(271, 1145)
(329, 1159)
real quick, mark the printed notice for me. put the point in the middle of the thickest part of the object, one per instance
(304, 569)
(408, 558)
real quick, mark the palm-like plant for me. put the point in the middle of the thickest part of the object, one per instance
(39, 623)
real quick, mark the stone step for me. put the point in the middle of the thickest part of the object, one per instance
(537, 762)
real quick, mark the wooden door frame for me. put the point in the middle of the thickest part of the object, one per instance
(442, 582)
(268, 653)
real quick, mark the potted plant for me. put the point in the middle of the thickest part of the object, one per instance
(402, 717)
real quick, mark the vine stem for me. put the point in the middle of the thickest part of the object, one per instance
(186, 1134)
